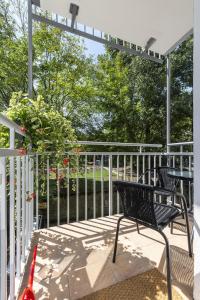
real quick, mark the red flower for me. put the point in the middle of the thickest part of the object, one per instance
(23, 129)
(22, 151)
(65, 161)
(33, 195)
(52, 170)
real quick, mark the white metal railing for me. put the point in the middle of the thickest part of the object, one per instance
(95, 172)
(16, 219)
(16, 211)
(181, 145)
(35, 187)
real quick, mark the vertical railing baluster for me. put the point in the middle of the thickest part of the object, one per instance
(110, 185)
(18, 206)
(30, 199)
(181, 167)
(26, 202)
(3, 230)
(124, 167)
(190, 195)
(149, 167)
(58, 195)
(47, 192)
(173, 159)
(37, 190)
(160, 165)
(138, 168)
(131, 167)
(33, 194)
(68, 190)
(118, 208)
(154, 171)
(143, 168)
(23, 207)
(12, 228)
(77, 191)
(94, 187)
(86, 190)
(160, 161)
(102, 187)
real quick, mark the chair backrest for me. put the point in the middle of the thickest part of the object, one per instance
(137, 201)
(148, 177)
(166, 182)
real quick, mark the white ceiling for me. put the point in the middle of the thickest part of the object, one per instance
(134, 21)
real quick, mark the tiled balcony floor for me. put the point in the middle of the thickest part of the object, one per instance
(75, 260)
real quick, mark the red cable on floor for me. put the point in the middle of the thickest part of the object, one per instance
(28, 293)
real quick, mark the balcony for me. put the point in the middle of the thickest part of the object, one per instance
(72, 218)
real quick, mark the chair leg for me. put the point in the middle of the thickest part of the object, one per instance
(138, 229)
(116, 238)
(171, 227)
(168, 263)
(187, 225)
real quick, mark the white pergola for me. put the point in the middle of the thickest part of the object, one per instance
(149, 28)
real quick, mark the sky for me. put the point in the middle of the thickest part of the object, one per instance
(93, 48)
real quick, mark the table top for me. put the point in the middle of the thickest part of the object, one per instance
(183, 175)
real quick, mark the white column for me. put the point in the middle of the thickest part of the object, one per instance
(168, 130)
(196, 125)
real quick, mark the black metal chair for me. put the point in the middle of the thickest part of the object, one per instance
(165, 185)
(139, 206)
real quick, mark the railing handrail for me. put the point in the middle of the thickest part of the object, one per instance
(15, 152)
(11, 124)
(119, 144)
(180, 144)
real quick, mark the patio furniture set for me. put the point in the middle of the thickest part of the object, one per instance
(139, 205)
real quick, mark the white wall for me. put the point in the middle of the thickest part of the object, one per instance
(197, 149)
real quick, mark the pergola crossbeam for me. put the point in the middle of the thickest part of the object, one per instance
(104, 39)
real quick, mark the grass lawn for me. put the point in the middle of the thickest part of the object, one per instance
(90, 174)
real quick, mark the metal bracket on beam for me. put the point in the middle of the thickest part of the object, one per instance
(36, 2)
(73, 9)
(149, 43)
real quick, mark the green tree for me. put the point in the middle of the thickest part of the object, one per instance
(13, 58)
(47, 130)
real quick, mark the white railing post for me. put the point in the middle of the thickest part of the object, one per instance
(118, 206)
(102, 187)
(154, 172)
(26, 203)
(77, 190)
(47, 192)
(149, 167)
(3, 230)
(110, 186)
(124, 167)
(37, 190)
(94, 187)
(138, 168)
(18, 205)
(181, 166)
(12, 228)
(30, 203)
(23, 207)
(58, 195)
(33, 192)
(131, 168)
(86, 190)
(68, 206)
(143, 168)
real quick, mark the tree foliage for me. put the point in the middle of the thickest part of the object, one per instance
(116, 98)
(47, 130)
